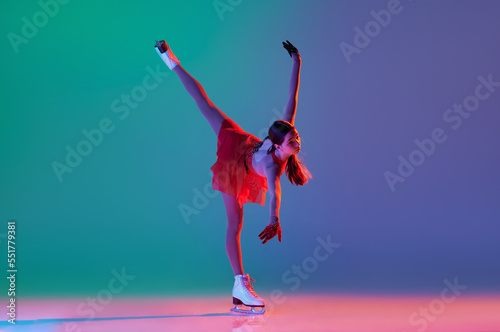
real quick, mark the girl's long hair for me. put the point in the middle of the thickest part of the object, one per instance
(296, 171)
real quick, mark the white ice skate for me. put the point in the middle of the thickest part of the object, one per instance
(243, 293)
(166, 54)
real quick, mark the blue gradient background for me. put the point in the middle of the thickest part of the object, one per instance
(120, 207)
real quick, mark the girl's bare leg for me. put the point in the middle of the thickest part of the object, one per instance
(234, 213)
(213, 115)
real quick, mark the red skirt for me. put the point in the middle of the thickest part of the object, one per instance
(230, 174)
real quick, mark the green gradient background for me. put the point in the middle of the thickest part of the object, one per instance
(120, 207)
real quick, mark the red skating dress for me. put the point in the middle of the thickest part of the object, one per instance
(234, 145)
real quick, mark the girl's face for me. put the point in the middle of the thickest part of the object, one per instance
(291, 143)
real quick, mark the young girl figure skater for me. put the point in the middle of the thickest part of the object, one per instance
(247, 167)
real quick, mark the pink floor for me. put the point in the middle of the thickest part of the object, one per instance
(294, 313)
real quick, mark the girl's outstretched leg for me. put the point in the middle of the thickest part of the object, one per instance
(234, 214)
(213, 115)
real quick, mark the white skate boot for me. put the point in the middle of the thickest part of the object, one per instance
(166, 54)
(243, 293)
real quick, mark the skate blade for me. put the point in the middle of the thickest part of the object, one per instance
(251, 311)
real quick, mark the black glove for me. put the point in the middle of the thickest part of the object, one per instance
(270, 231)
(290, 48)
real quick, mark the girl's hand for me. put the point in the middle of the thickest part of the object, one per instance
(270, 231)
(292, 50)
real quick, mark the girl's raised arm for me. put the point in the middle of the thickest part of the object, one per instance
(291, 107)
